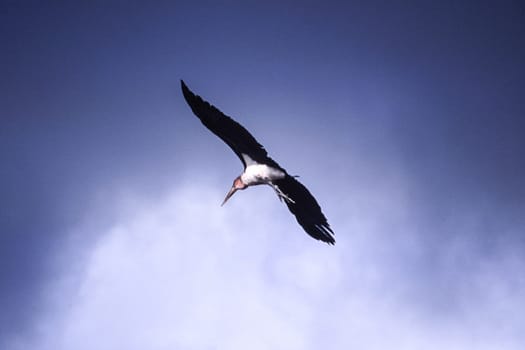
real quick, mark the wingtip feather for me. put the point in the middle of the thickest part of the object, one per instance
(184, 87)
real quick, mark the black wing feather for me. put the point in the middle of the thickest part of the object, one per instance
(227, 129)
(306, 209)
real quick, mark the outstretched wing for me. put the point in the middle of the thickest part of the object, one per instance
(234, 134)
(306, 210)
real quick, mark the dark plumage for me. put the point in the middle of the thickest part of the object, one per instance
(306, 209)
(227, 129)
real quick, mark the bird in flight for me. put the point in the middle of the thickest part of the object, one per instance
(260, 169)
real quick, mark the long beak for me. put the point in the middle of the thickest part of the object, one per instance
(230, 193)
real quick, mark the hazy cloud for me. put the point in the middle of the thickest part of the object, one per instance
(184, 273)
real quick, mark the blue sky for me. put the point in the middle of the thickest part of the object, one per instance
(405, 121)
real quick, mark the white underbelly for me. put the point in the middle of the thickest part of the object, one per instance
(260, 173)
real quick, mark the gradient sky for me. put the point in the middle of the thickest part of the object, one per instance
(407, 122)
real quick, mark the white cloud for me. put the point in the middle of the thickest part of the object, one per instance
(181, 272)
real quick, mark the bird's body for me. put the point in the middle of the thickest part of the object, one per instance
(257, 174)
(260, 169)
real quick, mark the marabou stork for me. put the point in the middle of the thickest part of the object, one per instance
(259, 168)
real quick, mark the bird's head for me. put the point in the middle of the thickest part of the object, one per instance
(237, 185)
